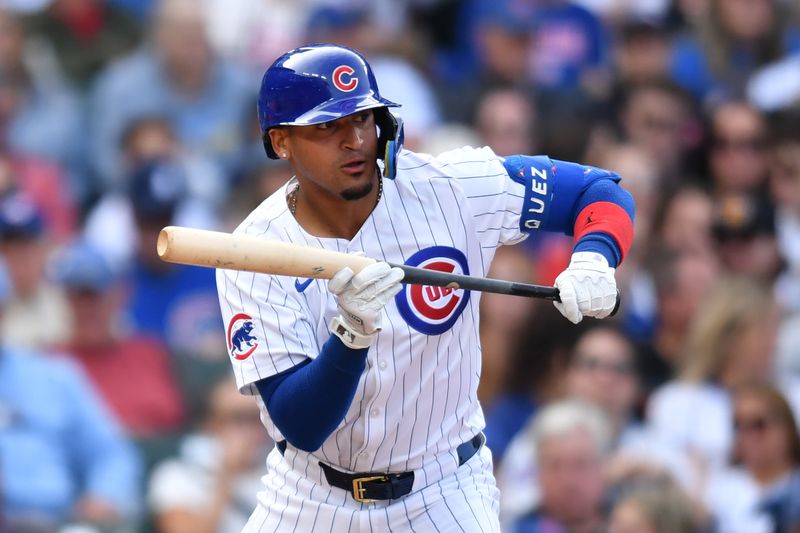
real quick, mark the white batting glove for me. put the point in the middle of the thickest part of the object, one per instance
(361, 298)
(587, 287)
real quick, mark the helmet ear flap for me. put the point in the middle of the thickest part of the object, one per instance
(390, 139)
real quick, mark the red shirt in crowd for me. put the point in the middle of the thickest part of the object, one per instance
(135, 378)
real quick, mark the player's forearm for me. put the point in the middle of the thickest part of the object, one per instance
(308, 402)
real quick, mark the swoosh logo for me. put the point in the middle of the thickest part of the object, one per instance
(302, 286)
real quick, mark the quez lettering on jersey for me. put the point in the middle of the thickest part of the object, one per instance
(434, 310)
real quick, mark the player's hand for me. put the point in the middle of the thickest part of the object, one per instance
(587, 287)
(361, 298)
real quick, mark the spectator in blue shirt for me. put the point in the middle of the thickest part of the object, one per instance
(569, 47)
(176, 303)
(178, 76)
(64, 457)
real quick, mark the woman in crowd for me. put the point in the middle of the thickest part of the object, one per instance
(761, 488)
(729, 343)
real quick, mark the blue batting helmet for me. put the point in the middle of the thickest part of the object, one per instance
(324, 82)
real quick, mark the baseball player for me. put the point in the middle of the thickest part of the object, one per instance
(368, 385)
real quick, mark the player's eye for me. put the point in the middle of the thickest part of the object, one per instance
(325, 125)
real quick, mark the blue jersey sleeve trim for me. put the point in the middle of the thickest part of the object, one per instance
(307, 402)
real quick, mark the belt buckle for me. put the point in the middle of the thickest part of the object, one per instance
(358, 490)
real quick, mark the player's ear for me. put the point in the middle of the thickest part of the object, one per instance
(279, 137)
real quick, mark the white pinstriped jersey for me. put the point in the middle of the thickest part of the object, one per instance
(417, 398)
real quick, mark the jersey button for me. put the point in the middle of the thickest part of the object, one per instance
(376, 412)
(382, 364)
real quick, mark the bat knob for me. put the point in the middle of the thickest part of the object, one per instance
(616, 305)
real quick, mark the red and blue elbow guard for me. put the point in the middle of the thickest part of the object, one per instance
(605, 225)
(578, 200)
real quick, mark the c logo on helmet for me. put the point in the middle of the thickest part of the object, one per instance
(343, 78)
(241, 344)
(434, 310)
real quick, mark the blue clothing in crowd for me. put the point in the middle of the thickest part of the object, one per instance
(58, 442)
(507, 415)
(782, 503)
(48, 124)
(568, 41)
(690, 68)
(141, 9)
(537, 522)
(211, 122)
(179, 306)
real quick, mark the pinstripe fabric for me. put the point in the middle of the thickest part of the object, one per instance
(417, 399)
(296, 498)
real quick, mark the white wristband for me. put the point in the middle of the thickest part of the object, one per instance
(350, 337)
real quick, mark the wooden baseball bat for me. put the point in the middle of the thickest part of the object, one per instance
(215, 249)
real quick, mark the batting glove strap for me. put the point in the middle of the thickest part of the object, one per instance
(587, 287)
(349, 336)
(361, 298)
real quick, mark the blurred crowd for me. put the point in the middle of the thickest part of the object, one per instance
(118, 412)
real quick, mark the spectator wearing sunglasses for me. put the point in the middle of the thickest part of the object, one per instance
(737, 159)
(760, 490)
(744, 234)
(602, 372)
(730, 343)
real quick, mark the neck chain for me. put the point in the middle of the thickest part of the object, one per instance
(296, 190)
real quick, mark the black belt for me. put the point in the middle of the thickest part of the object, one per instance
(373, 486)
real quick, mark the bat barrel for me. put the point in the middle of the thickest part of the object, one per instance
(216, 249)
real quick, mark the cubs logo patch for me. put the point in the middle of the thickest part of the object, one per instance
(343, 78)
(434, 310)
(241, 342)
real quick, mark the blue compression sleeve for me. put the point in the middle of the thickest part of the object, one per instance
(308, 401)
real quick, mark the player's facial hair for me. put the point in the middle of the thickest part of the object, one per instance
(357, 193)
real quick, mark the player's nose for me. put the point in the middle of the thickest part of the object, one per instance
(353, 135)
